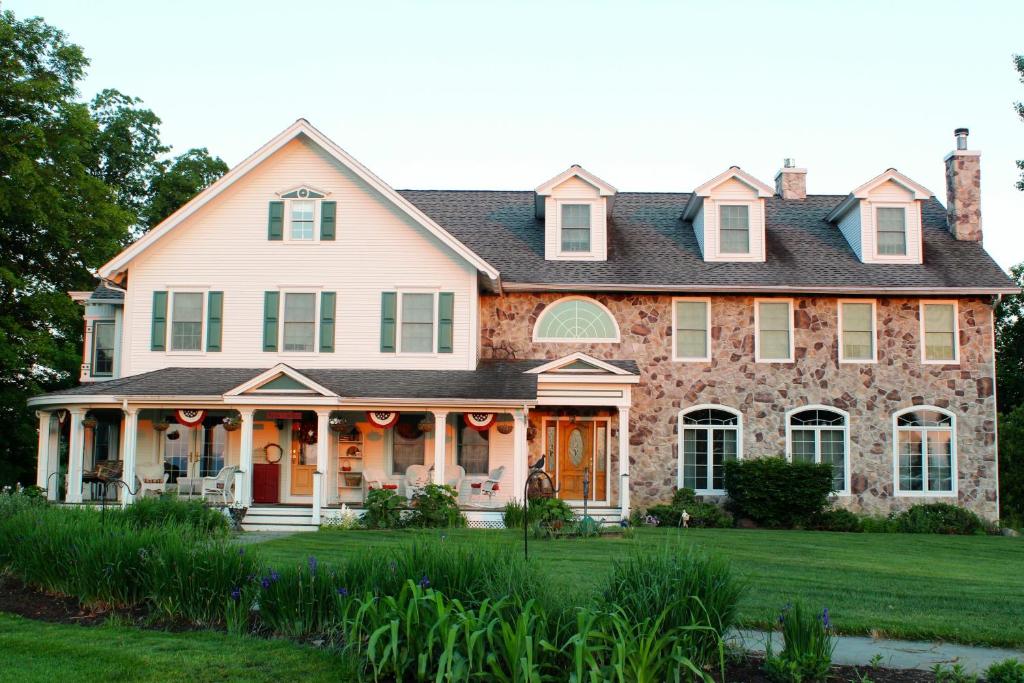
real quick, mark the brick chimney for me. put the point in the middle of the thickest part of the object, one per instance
(791, 182)
(963, 190)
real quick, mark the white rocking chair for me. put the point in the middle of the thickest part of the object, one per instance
(489, 486)
(151, 479)
(220, 484)
(416, 479)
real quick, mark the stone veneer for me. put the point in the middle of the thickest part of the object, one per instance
(764, 392)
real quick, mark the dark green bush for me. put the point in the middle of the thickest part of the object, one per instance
(544, 511)
(838, 519)
(384, 508)
(1006, 671)
(436, 506)
(939, 518)
(878, 524)
(155, 511)
(776, 493)
(702, 514)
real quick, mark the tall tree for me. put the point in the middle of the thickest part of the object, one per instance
(1018, 61)
(1009, 322)
(178, 180)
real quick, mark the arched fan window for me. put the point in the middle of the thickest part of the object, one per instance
(576, 319)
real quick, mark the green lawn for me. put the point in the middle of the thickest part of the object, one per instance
(965, 589)
(38, 651)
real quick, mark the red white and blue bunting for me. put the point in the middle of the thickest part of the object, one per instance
(481, 422)
(190, 417)
(382, 418)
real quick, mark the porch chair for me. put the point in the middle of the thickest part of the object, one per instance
(151, 479)
(220, 484)
(489, 486)
(416, 479)
(372, 479)
(455, 479)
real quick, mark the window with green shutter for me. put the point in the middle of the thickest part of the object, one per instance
(327, 308)
(445, 322)
(388, 321)
(271, 307)
(275, 221)
(328, 218)
(158, 329)
(214, 320)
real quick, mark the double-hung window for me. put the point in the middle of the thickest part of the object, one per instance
(302, 219)
(576, 227)
(891, 230)
(474, 450)
(773, 341)
(939, 332)
(925, 450)
(734, 229)
(299, 331)
(187, 321)
(857, 332)
(407, 443)
(692, 329)
(417, 322)
(102, 348)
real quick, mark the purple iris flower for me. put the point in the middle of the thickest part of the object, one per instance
(241, 551)
(265, 582)
(312, 565)
(343, 592)
(424, 582)
(236, 594)
(824, 618)
(274, 576)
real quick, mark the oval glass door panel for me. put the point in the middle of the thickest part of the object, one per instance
(576, 447)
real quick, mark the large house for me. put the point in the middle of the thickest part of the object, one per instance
(307, 332)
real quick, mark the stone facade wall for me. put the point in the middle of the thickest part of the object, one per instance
(764, 392)
(963, 194)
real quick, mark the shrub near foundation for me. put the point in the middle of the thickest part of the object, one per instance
(776, 493)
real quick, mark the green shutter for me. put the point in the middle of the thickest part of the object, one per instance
(271, 305)
(328, 211)
(214, 320)
(158, 334)
(388, 313)
(327, 306)
(275, 222)
(445, 321)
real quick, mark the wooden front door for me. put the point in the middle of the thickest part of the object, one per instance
(575, 454)
(303, 462)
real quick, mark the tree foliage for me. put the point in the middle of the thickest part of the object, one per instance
(1009, 323)
(178, 181)
(75, 178)
(1018, 61)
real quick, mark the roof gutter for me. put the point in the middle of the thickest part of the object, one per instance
(755, 289)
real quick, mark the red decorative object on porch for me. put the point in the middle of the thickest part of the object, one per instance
(390, 487)
(266, 480)
(190, 417)
(382, 418)
(481, 422)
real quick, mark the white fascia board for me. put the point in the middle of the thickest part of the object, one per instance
(603, 188)
(746, 289)
(849, 202)
(578, 356)
(919, 191)
(763, 190)
(272, 373)
(300, 127)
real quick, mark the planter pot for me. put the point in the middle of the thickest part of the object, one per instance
(90, 422)
(173, 436)
(161, 426)
(232, 426)
(354, 480)
(505, 428)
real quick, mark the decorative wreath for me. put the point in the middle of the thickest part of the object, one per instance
(273, 453)
(305, 432)
(382, 418)
(190, 417)
(481, 422)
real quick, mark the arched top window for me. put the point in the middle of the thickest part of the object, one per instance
(924, 452)
(819, 434)
(709, 435)
(576, 319)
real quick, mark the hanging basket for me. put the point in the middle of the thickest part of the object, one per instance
(339, 425)
(232, 424)
(90, 422)
(426, 425)
(505, 427)
(481, 422)
(531, 432)
(382, 418)
(173, 436)
(161, 426)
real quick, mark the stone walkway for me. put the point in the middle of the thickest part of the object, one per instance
(250, 537)
(895, 654)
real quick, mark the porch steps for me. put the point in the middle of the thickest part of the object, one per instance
(279, 518)
(603, 515)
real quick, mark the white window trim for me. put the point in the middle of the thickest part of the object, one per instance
(757, 330)
(400, 294)
(954, 469)
(288, 221)
(389, 451)
(845, 491)
(956, 331)
(908, 232)
(750, 204)
(284, 292)
(679, 441)
(696, 359)
(571, 340)
(874, 331)
(169, 342)
(559, 252)
(93, 322)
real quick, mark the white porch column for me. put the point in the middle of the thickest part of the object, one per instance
(624, 462)
(323, 445)
(43, 451)
(131, 439)
(519, 464)
(76, 456)
(440, 443)
(244, 494)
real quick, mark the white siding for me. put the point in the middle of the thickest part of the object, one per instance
(698, 228)
(850, 227)
(575, 190)
(733, 191)
(224, 247)
(890, 194)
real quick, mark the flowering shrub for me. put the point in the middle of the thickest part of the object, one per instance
(346, 520)
(807, 647)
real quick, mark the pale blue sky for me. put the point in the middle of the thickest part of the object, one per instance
(647, 95)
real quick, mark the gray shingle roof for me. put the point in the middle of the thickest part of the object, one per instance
(104, 293)
(649, 245)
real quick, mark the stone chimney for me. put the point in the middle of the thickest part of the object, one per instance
(963, 190)
(791, 182)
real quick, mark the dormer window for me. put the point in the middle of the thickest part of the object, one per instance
(575, 206)
(295, 216)
(576, 227)
(892, 230)
(734, 229)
